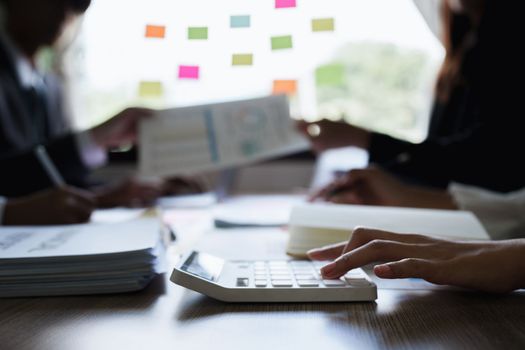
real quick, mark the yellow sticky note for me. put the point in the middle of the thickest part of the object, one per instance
(242, 59)
(323, 24)
(151, 89)
(287, 87)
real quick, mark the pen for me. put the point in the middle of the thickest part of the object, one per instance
(49, 166)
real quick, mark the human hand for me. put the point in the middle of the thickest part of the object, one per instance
(178, 186)
(492, 266)
(121, 129)
(65, 205)
(129, 193)
(326, 134)
(374, 186)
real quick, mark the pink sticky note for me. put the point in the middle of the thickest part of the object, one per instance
(188, 72)
(281, 4)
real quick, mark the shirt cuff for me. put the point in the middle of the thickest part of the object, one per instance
(92, 155)
(499, 213)
(3, 202)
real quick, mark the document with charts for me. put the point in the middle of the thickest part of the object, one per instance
(216, 136)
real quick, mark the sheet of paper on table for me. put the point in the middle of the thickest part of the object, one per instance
(217, 136)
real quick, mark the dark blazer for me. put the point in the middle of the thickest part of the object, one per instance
(22, 128)
(478, 136)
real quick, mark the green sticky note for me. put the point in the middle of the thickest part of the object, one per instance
(240, 21)
(282, 42)
(242, 59)
(151, 89)
(323, 25)
(330, 75)
(198, 33)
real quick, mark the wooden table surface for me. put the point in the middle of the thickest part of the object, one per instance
(166, 316)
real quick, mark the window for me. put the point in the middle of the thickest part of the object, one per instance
(371, 62)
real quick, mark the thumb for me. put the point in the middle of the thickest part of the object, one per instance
(406, 268)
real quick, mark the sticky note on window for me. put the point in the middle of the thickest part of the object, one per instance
(286, 87)
(155, 31)
(330, 75)
(323, 25)
(281, 4)
(198, 33)
(282, 42)
(243, 21)
(151, 89)
(242, 59)
(189, 72)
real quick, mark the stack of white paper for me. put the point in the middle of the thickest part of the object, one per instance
(78, 259)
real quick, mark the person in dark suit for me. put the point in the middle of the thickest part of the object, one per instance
(32, 113)
(476, 126)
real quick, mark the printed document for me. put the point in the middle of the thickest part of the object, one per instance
(217, 136)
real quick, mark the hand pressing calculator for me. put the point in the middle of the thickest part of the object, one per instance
(269, 281)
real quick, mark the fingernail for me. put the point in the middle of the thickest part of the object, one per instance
(328, 269)
(383, 271)
(312, 251)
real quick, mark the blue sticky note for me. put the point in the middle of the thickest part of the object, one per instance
(240, 21)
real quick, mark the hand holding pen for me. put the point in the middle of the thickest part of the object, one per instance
(62, 204)
(374, 186)
(369, 186)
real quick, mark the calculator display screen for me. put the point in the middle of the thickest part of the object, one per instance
(203, 265)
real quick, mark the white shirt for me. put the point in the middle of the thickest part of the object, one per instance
(502, 214)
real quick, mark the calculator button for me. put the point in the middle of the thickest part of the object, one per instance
(334, 283)
(282, 283)
(308, 283)
(303, 270)
(279, 268)
(261, 283)
(281, 277)
(358, 282)
(243, 282)
(355, 274)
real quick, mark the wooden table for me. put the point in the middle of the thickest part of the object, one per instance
(165, 316)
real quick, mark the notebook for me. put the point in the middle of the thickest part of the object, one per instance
(316, 225)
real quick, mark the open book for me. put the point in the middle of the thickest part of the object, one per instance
(317, 225)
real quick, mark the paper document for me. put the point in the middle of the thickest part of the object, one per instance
(216, 136)
(79, 259)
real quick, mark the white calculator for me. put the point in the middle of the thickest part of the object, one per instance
(269, 281)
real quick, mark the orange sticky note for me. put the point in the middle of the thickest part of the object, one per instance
(288, 87)
(154, 31)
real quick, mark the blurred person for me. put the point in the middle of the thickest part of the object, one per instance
(476, 126)
(32, 113)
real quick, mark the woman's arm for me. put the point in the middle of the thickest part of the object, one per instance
(493, 266)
